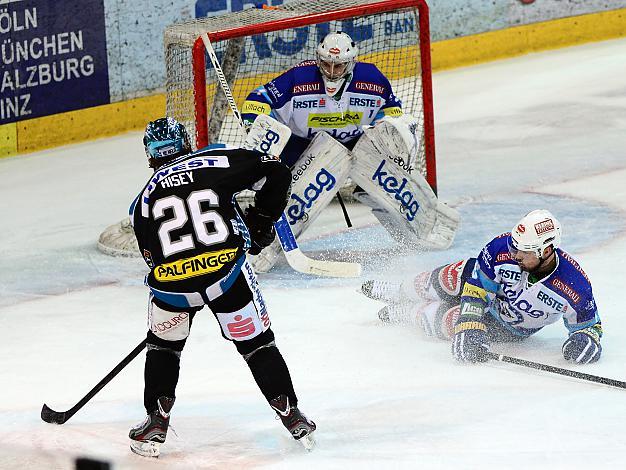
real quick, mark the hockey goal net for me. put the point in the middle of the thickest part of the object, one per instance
(255, 45)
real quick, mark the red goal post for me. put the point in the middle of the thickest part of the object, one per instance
(255, 45)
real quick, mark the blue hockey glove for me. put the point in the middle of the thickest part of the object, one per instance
(583, 346)
(470, 342)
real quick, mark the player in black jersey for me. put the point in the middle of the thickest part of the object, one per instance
(194, 240)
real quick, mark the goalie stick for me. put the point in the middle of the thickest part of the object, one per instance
(302, 263)
(296, 259)
(60, 417)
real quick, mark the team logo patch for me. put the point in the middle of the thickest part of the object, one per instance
(450, 278)
(196, 266)
(544, 226)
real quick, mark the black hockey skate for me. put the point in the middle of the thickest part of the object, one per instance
(146, 438)
(300, 427)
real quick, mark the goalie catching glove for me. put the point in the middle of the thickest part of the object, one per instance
(470, 342)
(261, 228)
(583, 346)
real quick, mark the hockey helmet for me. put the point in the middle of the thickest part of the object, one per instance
(165, 139)
(536, 231)
(336, 56)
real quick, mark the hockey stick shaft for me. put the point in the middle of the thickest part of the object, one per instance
(557, 370)
(344, 210)
(60, 417)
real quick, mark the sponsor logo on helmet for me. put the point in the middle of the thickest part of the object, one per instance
(324, 180)
(199, 265)
(544, 226)
(368, 86)
(520, 228)
(334, 119)
(334, 50)
(306, 88)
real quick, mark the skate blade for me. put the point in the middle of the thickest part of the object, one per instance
(308, 442)
(146, 449)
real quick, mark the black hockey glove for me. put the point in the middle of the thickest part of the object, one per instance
(261, 228)
(470, 342)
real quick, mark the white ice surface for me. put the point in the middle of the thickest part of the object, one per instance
(544, 130)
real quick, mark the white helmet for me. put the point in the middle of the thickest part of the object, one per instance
(536, 231)
(335, 57)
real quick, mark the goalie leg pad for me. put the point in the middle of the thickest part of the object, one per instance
(386, 167)
(316, 177)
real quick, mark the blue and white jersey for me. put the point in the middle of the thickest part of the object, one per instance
(298, 99)
(523, 308)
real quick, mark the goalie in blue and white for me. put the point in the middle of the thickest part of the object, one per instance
(347, 122)
(520, 282)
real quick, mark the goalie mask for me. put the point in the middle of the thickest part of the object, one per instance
(536, 231)
(335, 57)
(165, 139)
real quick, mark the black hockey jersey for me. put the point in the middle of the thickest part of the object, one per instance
(188, 229)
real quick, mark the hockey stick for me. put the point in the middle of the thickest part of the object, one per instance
(60, 417)
(302, 263)
(556, 370)
(344, 210)
(296, 259)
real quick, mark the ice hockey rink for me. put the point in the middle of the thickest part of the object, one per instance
(545, 130)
